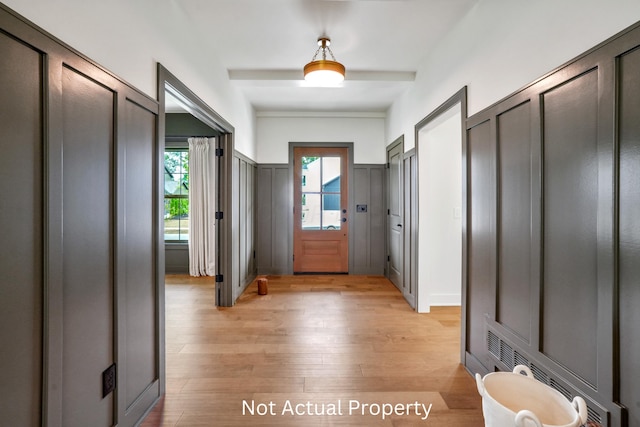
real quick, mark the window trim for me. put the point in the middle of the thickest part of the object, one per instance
(176, 147)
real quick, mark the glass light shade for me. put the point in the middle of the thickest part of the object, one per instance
(324, 73)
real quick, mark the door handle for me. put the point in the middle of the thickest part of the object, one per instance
(399, 225)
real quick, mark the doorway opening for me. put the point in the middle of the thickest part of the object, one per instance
(199, 116)
(440, 140)
(440, 211)
(187, 191)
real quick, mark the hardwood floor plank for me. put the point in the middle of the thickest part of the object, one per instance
(311, 341)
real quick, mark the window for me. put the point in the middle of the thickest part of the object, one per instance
(176, 195)
(321, 193)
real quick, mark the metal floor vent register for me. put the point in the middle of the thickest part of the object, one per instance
(508, 358)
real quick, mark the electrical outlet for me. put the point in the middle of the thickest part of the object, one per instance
(108, 380)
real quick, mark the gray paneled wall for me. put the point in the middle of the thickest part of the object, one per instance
(138, 301)
(410, 230)
(570, 232)
(274, 207)
(553, 231)
(481, 202)
(243, 224)
(87, 245)
(78, 282)
(515, 217)
(368, 246)
(176, 258)
(21, 227)
(629, 232)
(274, 220)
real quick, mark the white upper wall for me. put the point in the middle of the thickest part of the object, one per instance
(366, 131)
(502, 45)
(497, 48)
(129, 37)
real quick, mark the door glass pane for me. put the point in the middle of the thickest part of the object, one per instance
(311, 211)
(331, 218)
(311, 174)
(321, 203)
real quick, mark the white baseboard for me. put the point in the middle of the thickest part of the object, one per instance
(445, 299)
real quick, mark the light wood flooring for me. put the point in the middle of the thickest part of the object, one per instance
(312, 343)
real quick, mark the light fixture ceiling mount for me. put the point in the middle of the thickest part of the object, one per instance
(324, 72)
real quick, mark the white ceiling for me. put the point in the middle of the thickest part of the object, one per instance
(264, 45)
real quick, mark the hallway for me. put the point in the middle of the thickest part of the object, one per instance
(315, 344)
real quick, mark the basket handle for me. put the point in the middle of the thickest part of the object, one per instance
(525, 415)
(480, 385)
(522, 368)
(581, 406)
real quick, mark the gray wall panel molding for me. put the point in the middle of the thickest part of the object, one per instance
(515, 285)
(89, 127)
(565, 155)
(244, 194)
(369, 256)
(22, 288)
(628, 239)
(273, 219)
(176, 258)
(410, 230)
(481, 247)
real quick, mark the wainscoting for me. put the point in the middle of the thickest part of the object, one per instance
(243, 223)
(275, 220)
(78, 305)
(553, 232)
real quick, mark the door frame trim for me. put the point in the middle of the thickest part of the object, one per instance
(350, 186)
(224, 250)
(460, 97)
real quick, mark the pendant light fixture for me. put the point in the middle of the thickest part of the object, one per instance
(324, 72)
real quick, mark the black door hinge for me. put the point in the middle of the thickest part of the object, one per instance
(219, 278)
(219, 152)
(219, 215)
(388, 257)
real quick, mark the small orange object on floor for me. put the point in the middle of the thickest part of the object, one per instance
(262, 286)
